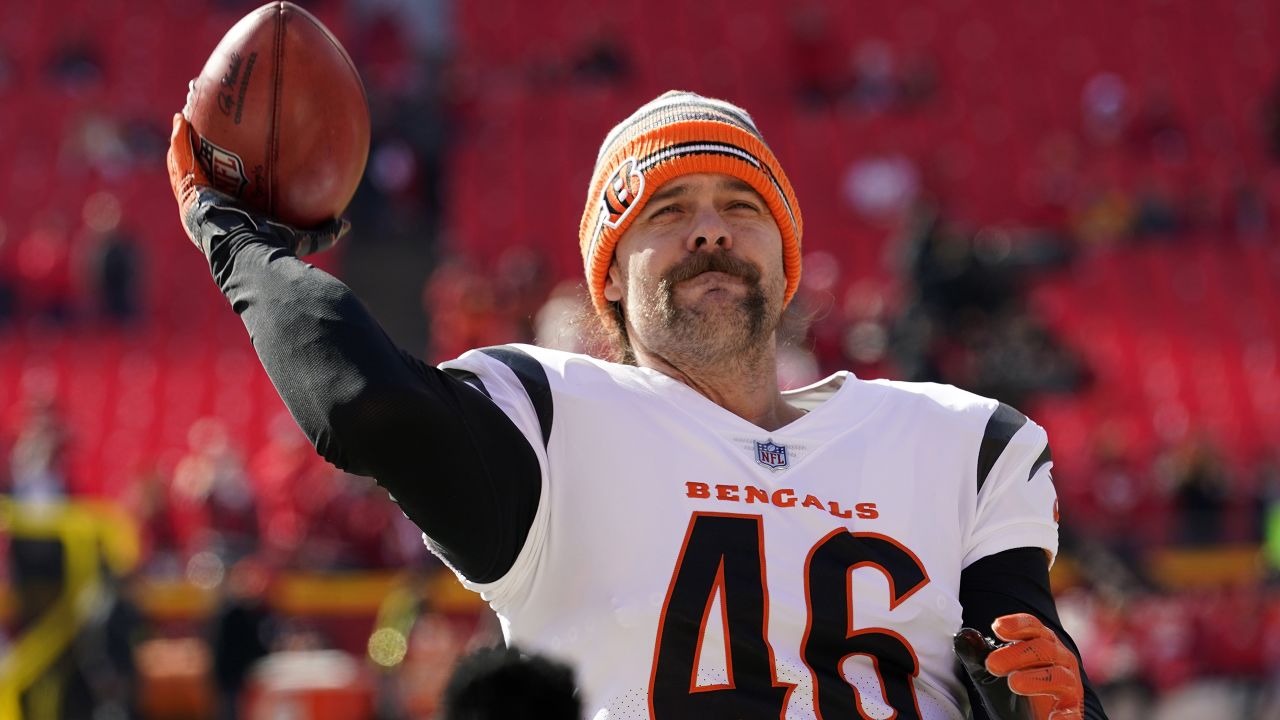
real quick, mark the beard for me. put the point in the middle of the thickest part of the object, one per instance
(711, 333)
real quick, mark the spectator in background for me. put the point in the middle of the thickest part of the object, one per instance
(105, 650)
(1165, 639)
(1104, 107)
(37, 465)
(968, 325)
(864, 342)
(76, 64)
(285, 463)
(403, 48)
(435, 643)
(465, 304)
(1200, 490)
(44, 270)
(386, 50)
(352, 527)
(1230, 647)
(159, 535)
(115, 269)
(1266, 509)
(873, 84)
(216, 505)
(503, 683)
(1271, 120)
(918, 83)
(6, 69)
(522, 281)
(1103, 217)
(1269, 630)
(869, 79)
(1116, 521)
(1017, 357)
(1055, 178)
(96, 141)
(8, 297)
(1155, 212)
(110, 259)
(1110, 647)
(242, 631)
(144, 139)
(601, 59)
(815, 62)
(1248, 217)
(950, 278)
(881, 188)
(1156, 131)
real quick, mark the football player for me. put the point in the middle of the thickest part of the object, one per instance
(696, 542)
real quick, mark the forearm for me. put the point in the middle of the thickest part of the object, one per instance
(318, 345)
(371, 408)
(1017, 581)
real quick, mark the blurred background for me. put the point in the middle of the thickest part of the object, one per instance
(1071, 206)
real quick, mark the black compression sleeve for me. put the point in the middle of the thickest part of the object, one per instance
(372, 409)
(1015, 581)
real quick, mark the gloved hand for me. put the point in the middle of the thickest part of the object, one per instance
(972, 648)
(197, 200)
(1039, 667)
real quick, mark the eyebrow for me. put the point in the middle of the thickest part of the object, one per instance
(682, 188)
(737, 185)
(667, 193)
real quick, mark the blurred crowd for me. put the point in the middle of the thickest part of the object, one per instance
(949, 304)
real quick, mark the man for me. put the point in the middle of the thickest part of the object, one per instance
(695, 541)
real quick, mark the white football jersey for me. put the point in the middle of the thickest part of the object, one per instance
(690, 564)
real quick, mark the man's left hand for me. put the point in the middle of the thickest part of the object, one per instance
(1039, 666)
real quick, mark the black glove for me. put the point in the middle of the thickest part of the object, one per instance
(214, 213)
(1001, 703)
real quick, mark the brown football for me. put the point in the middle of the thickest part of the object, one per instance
(282, 117)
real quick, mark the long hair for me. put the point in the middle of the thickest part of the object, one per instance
(579, 328)
(615, 332)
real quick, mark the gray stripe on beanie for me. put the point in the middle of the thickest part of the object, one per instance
(671, 107)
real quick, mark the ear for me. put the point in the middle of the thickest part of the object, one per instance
(613, 283)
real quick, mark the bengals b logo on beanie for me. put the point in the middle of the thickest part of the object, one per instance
(680, 133)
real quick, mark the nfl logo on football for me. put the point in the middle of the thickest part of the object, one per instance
(771, 455)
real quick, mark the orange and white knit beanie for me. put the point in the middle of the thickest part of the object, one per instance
(680, 133)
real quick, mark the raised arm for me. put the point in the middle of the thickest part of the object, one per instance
(369, 407)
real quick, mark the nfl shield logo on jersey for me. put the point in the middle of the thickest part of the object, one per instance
(771, 454)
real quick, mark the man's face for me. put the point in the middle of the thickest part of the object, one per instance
(700, 269)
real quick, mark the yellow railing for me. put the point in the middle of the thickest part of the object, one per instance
(89, 533)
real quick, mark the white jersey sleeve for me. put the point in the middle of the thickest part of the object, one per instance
(1016, 503)
(518, 385)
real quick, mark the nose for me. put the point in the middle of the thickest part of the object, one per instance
(709, 231)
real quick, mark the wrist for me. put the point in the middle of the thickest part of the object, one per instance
(213, 218)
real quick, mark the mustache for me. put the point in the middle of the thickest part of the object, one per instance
(720, 261)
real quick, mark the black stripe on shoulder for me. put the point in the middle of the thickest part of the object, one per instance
(1002, 425)
(532, 377)
(469, 378)
(1045, 457)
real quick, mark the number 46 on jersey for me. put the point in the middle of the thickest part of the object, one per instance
(725, 552)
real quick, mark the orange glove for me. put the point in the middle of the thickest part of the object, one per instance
(185, 174)
(196, 197)
(1038, 666)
